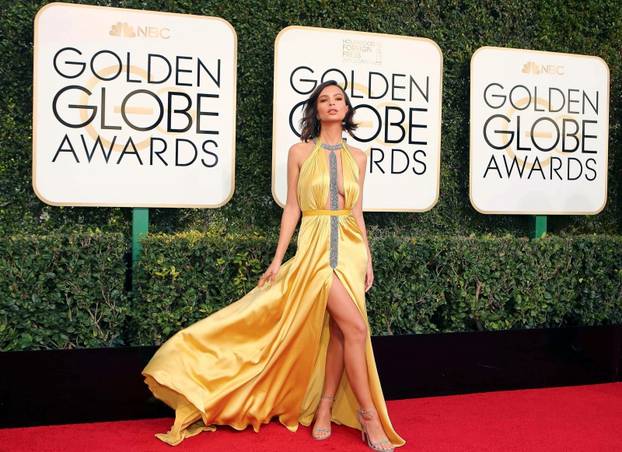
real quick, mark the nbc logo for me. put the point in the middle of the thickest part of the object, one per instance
(122, 29)
(532, 68)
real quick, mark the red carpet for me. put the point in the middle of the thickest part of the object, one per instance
(578, 418)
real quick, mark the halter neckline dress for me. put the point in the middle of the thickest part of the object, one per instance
(264, 355)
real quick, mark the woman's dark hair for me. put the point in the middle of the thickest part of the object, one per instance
(311, 125)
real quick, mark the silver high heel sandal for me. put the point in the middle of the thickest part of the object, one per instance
(383, 445)
(321, 433)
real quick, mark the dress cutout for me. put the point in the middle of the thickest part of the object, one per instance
(264, 355)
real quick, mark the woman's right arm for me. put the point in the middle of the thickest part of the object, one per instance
(290, 217)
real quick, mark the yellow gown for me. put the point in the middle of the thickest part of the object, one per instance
(264, 355)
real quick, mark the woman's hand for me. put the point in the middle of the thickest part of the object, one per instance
(269, 274)
(369, 276)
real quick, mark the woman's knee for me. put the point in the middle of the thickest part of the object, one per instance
(356, 331)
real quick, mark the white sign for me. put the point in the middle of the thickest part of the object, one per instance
(539, 132)
(394, 83)
(133, 108)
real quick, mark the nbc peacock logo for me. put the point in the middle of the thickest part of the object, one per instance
(125, 30)
(122, 29)
(538, 69)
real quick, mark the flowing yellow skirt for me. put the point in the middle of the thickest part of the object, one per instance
(264, 355)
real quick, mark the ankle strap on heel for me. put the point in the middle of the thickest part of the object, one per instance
(370, 412)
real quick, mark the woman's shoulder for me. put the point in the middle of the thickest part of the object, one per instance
(301, 146)
(301, 150)
(358, 155)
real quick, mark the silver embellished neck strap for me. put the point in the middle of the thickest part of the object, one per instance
(334, 205)
(331, 147)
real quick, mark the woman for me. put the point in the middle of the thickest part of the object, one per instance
(282, 348)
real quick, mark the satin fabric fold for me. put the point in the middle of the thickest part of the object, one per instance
(263, 356)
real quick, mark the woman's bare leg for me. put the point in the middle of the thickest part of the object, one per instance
(334, 370)
(347, 316)
(334, 359)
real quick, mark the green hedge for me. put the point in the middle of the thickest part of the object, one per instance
(423, 285)
(67, 291)
(62, 291)
(459, 27)
(184, 277)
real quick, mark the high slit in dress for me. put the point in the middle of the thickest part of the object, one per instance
(264, 355)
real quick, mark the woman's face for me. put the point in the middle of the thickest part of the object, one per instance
(331, 104)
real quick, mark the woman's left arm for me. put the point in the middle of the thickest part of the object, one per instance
(357, 213)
